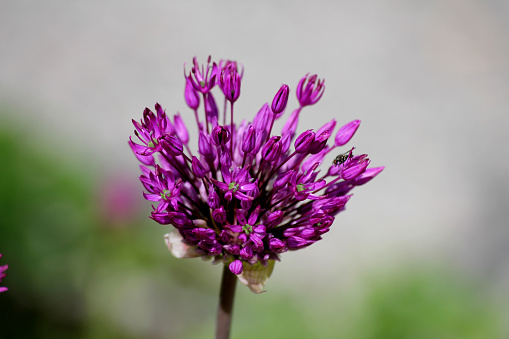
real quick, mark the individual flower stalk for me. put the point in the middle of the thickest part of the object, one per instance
(246, 196)
(2, 275)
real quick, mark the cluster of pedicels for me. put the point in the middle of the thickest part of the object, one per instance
(246, 195)
(2, 275)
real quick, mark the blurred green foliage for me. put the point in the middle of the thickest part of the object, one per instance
(71, 267)
(72, 275)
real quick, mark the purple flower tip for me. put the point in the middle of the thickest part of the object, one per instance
(220, 135)
(304, 141)
(230, 82)
(191, 95)
(346, 133)
(280, 100)
(236, 267)
(310, 90)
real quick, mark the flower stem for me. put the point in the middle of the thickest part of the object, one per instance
(225, 308)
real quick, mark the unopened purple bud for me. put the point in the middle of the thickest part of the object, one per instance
(319, 143)
(261, 119)
(304, 141)
(191, 95)
(236, 267)
(359, 165)
(249, 141)
(205, 146)
(220, 135)
(225, 159)
(219, 215)
(230, 84)
(286, 141)
(181, 129)
(254, 217)
(274, 219)
(346, 132)
(295, 242)
(282, 180)
(272, 149)
(339, 189)
(210, 106)
(205, 234)
(246, 253)
(198, 168)
(280, 100)
(171, 144)
(276, 245)
(307, 233)
(310, 90)
(213, 200)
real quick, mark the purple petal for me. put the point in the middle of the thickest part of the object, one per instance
(246, 253)
(369, 174)
(234, 228)
(355, 170)
(181, 129)
(139, 149)
(346, 132)
(152, 197)
(236, 267)
(280, 99)
(276, 245)
(295, 242)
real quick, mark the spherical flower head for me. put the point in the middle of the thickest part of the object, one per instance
(246, 195)
(310, 90)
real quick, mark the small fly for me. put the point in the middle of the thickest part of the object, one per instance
(342, 158)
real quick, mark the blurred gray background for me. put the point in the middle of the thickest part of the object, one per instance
(429, 80)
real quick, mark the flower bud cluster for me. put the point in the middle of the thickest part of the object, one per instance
(247, 195)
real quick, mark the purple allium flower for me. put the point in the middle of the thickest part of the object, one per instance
(245, 196)
(2, 275)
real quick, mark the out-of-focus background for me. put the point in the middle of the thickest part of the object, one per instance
(421, 251)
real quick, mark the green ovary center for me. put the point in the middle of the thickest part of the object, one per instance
(233, 186)
(165, 194)
(248, 229)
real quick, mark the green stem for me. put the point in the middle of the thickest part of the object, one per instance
(225, 308)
